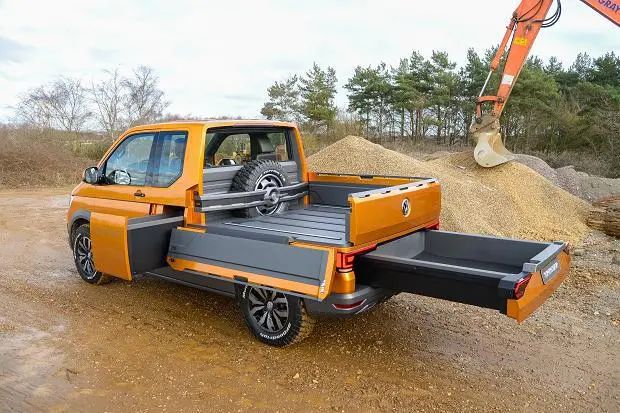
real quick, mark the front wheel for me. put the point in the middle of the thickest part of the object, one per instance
(83, 256)
(273, 317)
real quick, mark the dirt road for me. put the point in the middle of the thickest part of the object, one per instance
(153, 346)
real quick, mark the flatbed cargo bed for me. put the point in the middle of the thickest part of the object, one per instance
(319, 224)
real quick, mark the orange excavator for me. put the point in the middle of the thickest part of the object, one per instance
(526, 21)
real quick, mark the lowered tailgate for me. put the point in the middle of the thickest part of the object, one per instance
(512, 276)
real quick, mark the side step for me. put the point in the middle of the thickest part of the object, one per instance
(471, 269)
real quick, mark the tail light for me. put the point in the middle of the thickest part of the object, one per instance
(434, 227)
(521, 285)
(344, 260)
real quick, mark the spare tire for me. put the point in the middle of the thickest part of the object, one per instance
(257, 176)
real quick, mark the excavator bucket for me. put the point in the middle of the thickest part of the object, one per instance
(490, 150)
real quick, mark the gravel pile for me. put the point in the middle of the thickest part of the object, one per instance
(581, 184)
(510, 200)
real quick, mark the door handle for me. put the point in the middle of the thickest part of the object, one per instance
(139, 193)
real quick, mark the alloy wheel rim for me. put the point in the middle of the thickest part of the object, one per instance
(84, 254)
(269, 180)
(269, 309)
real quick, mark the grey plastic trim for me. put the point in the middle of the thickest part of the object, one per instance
(307, 234)
(78, 214)
(255, 235)
(297, 264)
(241, 200)
(335, 194)
(241, 282)
(207, 282)
(152, 220)
(544, 257)
(390, 189)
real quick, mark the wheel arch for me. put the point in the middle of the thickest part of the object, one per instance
(79, 217)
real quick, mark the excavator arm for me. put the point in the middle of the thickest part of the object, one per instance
(525, 24)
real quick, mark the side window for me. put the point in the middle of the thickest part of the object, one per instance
(278, 140)
(168, 163)
(129, 162)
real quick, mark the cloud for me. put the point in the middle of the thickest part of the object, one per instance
(11, 51)
(219, 57)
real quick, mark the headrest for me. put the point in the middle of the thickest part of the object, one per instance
(264, 145)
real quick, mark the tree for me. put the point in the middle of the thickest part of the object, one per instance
(145, 102)
(582, 66)
(444, 87)
(360, 97)
(109, 97)
(283, 103)
(60, 105)
(318, 90)
(605, 70)
(533, 106)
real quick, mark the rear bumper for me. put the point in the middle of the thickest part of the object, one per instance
(345, 305)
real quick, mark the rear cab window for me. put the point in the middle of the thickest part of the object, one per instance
(234, 147)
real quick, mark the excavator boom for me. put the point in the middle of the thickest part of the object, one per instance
(522, 30)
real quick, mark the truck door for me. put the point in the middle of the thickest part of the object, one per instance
(136, 172)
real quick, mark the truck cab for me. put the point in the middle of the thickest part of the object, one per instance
(231, 207)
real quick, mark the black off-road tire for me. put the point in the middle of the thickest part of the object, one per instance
(297, 325)
(82, 247)
(249, 177)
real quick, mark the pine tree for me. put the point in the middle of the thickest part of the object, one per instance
(283, 103)
(318, 91)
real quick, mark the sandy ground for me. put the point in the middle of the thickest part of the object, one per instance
(154, 346)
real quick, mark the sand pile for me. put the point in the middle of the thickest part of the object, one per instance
(510, 200)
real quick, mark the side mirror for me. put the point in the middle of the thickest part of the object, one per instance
(91, 175)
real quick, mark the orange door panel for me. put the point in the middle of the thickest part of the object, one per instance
(110, 246)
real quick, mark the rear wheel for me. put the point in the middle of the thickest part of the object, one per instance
(83, 256)
(273, 317)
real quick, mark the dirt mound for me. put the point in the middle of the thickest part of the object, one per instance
(510, 200)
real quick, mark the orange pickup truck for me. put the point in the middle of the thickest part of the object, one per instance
(231, 207)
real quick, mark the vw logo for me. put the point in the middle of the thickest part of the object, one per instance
(406, 207)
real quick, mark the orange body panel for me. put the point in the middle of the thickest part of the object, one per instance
(344, 282)
(607, 8)
(536, 292)
(110, 249)
(380, 216)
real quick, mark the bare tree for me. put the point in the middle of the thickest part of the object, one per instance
(109, 97)
(33, 108)
(70, 105)
(61, 105)
(145, 101)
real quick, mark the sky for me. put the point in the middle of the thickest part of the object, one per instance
(217, 58)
